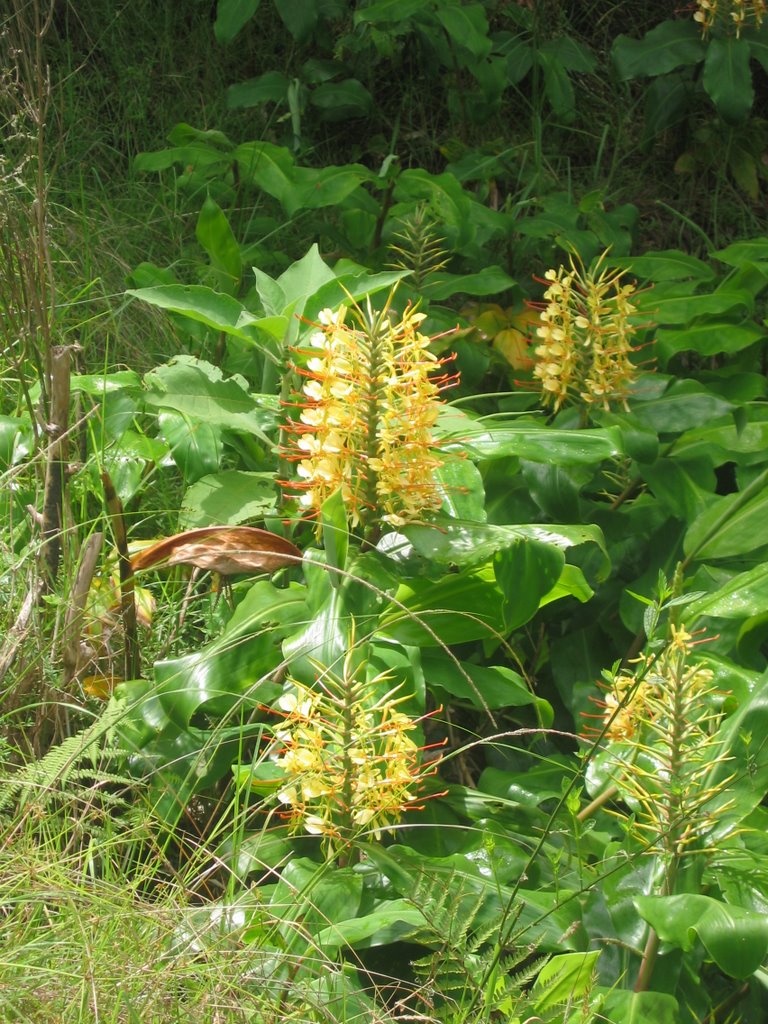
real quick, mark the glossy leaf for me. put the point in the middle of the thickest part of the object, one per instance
(727, 77)
(732, 525)
(196, 446)
(493, 686)
(669, 45)
(666, 265)
(564, 979)
(231, 16)
(228, 498)
(525, 572)
(736, 939)
(746, 594)
(215, 235)
(199, 391)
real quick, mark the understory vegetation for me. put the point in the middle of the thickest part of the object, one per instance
(384, 519)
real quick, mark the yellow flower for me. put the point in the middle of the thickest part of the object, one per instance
(738, 13)
(585, 338)
(368, 407)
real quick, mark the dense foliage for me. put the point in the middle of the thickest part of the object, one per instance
(398, 643)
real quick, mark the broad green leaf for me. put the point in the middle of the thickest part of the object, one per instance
(685, 404)
(666, 265)
(390, 921)
(727, 77)
(489, 440)
(526, 571)
(233, 671)
(669, 45)
(98, 384)
(467, 26)
(732, 525)
(197, 155)
(206, 306)
(678, 491)
(333, 517)
(317, 895)
(461, 607)
(738, 779)
(231, 15)
(461, 485)
(340, 101)
(12, 430)
(491, 686)
(489, 281)
(299, 16)
(329, 186)
(557, 86)
(624, 1007)
(272, 86)
(270, 168)
(571, 583)
(722, 442)
(450, 542)
(391, 11)
(228, 498)
(753, 250)
(710, 338)
(736, 939)
(743, 596)
(198, 391)
(573, 55)
(682, 309)
(564, 979)
(196, 446)
(448, 203)
(303, 279)
(215, 236)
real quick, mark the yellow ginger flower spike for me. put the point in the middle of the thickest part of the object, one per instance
(368, 406)
(585, 338)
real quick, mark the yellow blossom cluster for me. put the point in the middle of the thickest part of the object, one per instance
(585, 337)
(348, 763)
(738, 13)
(367, 411)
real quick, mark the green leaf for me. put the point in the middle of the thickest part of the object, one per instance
(449, 542)
(564, 979)
(272, 87)
(448, 203)
(333, 516)
(727, 77)
(685, 404)
(669, 45)
(320, 896)
(487, 440)
(233, 670)
(458, 608)
(639, 1007)
(198, 391)
(461, 484)
(489, 281)
(743, 596)
(732, 525)
(710, 338)
(391, 11)
(736, 939)
(391, 921)
(228, 498)
(666, 265)
(488, 686)
(467, 26)
(299, 16)
(329, 186)
(571, 54)
(196, 446)
(206, 306)
(557, 86)
(340, 101)
(682, 309)
(231, 15)
(526, 571)
(215, 236)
